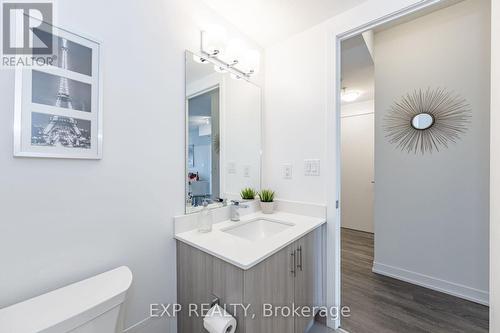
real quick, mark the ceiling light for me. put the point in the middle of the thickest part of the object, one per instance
(350, 95)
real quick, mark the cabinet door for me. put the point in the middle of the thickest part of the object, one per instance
(228, 286)
(194, 286)
(270, 282)
(306, 282)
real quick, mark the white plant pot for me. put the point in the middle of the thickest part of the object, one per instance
(267, 207)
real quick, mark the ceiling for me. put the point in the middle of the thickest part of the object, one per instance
(269, 21)
(358, 72)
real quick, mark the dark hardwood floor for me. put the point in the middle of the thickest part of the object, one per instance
(384, 305)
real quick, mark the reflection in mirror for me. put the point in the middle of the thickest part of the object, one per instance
(223, 135)
(422, 121)
(203, 146)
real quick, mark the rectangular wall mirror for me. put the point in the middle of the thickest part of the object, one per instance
(223, 135)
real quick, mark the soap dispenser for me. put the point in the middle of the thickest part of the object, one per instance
(205, 219)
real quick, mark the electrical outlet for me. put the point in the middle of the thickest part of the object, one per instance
(231, 168)
(246, 171)
(287, 171)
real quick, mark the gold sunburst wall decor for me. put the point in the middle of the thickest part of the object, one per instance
(427, 120)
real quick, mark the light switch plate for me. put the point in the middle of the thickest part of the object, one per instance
(315, 167)
(307, 167)
(287, 171)
(246, 171)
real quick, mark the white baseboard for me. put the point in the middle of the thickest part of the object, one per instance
(447, 287)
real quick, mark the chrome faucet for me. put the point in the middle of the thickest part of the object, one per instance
(235, 210)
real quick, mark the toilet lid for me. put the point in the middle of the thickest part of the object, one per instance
(68, 307)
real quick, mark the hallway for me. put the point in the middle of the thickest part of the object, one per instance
(385, 305)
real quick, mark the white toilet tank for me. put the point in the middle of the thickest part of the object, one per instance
(89, 306)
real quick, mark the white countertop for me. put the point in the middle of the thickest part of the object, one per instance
(244, 253)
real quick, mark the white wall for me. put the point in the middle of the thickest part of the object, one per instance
(65, 220)
(358, 149)
(295, 115)
(432, 210)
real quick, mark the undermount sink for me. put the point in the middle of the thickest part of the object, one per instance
(258, 228)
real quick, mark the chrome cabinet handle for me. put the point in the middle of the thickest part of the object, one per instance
(293, 261)
(299, 250)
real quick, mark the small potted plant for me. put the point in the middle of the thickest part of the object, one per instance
(248, 193)
(267, 201)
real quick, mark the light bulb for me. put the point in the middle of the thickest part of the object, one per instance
(250, 61)
(234, 52)
(214, 39)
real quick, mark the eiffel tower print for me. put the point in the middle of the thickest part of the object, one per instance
(63, 96)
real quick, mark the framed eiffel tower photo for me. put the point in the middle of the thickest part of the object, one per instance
(58, 108)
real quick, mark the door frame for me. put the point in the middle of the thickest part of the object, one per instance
(202, 87)
(362, 18)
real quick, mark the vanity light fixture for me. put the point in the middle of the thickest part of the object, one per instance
(235, 76)
(350, 95)
(213, 40)
(220, 69)
(199, 59)
(234, 59)
(251, 61)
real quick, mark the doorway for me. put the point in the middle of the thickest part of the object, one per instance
(397, 276)
(203, 162)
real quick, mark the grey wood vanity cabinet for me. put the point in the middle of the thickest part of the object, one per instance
(291, 276)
